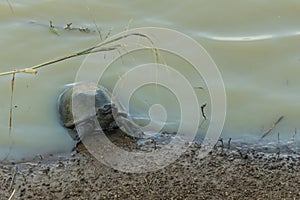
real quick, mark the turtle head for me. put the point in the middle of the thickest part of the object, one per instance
(105, 109)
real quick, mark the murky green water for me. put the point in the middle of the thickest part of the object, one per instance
(254, 44)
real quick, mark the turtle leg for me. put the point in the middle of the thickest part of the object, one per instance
(74, 135)
(127, 126)
(113, 125)
(123, 121)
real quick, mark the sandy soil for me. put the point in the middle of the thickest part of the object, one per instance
(223, 174)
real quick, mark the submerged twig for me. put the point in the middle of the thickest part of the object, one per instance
(202, 111)
(278, 145)
(229, 142)
(294, 135)
(11, 102)
(200, 125)
(10, 6)
(199, 87)
(272, 127)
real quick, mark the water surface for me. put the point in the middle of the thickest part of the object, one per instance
(255, 44)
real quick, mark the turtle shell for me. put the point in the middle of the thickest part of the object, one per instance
(89, 100)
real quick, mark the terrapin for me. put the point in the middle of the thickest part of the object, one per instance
(92, 104)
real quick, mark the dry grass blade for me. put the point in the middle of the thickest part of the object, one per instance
(94, 22)
(98, 48)
(25, 70)
(102, 47)
(272, 127)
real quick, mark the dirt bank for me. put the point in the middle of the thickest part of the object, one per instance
(223, 174)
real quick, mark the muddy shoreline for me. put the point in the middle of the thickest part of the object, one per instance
(223, 174)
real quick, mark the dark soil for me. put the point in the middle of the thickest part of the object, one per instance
(223, 174)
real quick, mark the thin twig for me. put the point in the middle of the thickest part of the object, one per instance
(94, 22)
(128, 24)
(229, 141)
(108, 33)
(272, 127)
(12, 194)
(13, 178)
(240, 152)
(294, 135)
(222, 144)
